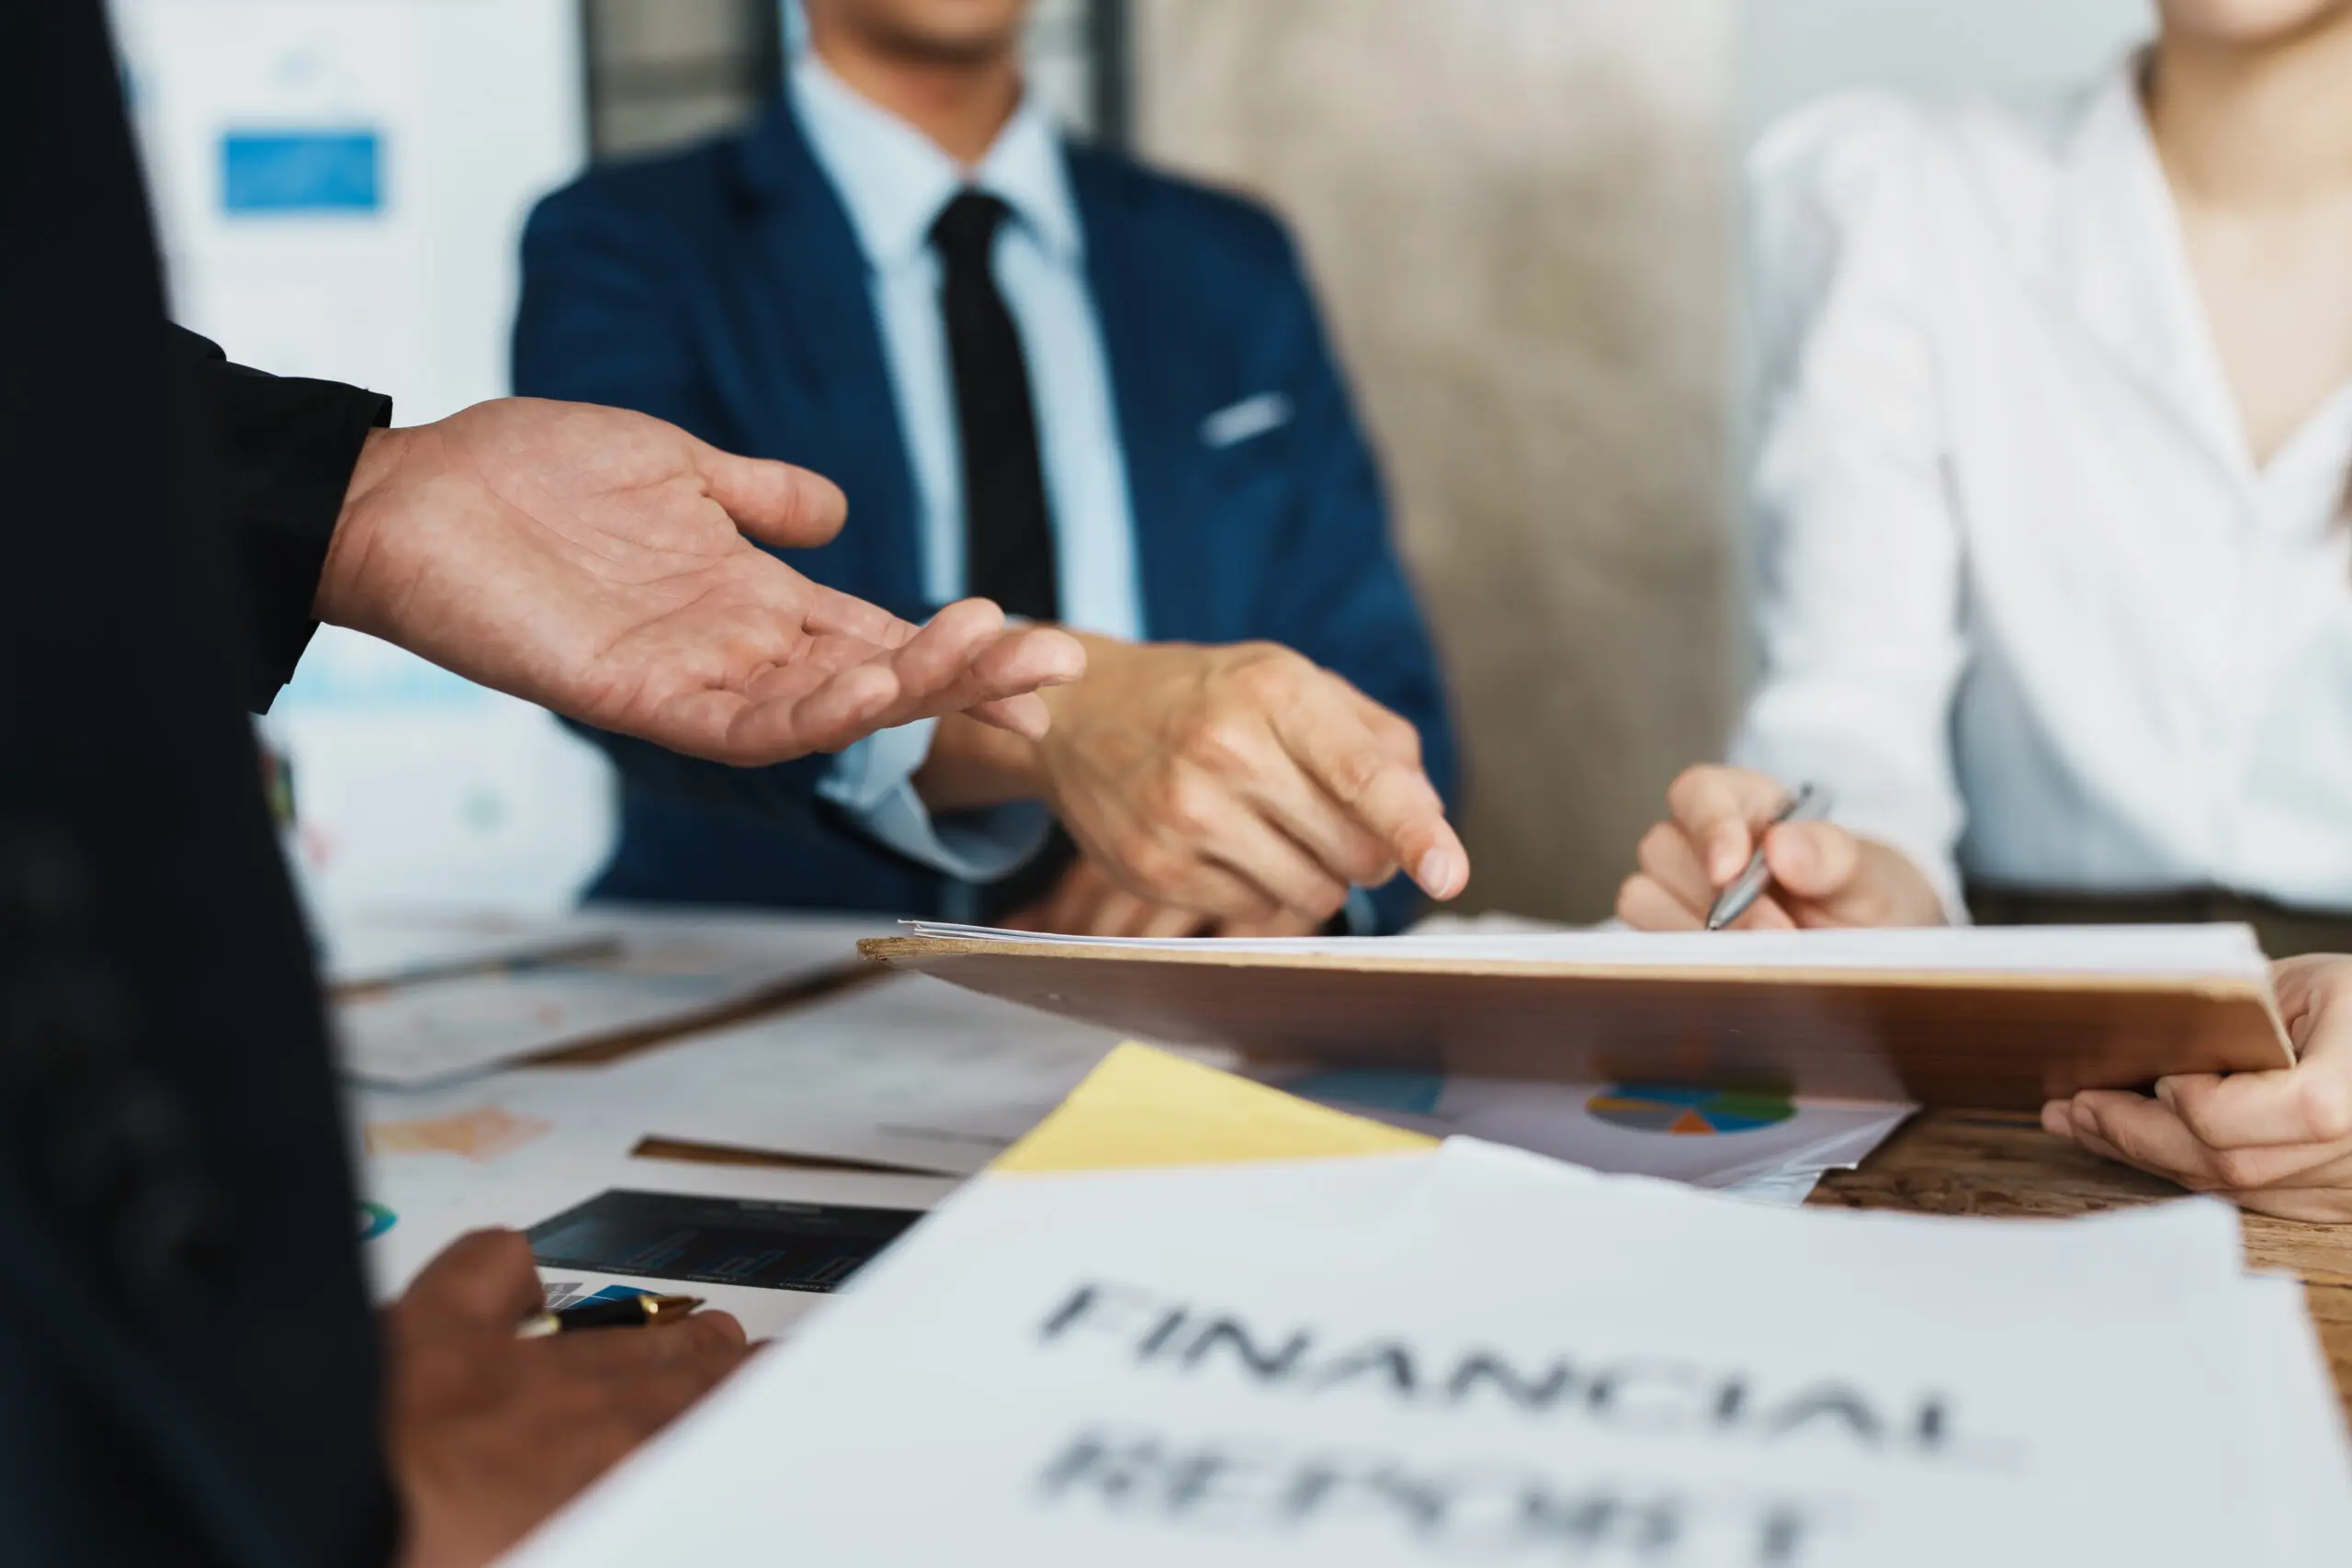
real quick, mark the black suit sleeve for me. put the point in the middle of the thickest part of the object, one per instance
(188, 1376)
(278, 452)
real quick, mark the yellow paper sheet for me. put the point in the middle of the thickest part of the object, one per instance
(1143, 1108)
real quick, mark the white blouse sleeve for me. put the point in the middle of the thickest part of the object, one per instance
(1857, 549)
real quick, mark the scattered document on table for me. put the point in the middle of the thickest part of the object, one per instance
(1148, 1338)
(423, 1150)
(386, 947)
(906, 1072)
(663, 969)
(1725, 1135)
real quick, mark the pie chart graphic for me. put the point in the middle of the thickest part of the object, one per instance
(1687, 1113)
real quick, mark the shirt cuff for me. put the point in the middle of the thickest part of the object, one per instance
(873, 783)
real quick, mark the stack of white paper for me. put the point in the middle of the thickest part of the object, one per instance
(1146, 1339)
(2219, 952)
(1757, 1142)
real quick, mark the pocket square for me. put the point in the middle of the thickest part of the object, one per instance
(1252, 416)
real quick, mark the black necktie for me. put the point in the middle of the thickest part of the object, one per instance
(1007, 534)
(1008, 538)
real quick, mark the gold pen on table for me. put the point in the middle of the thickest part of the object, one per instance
(608, 1312)
(1810, 802)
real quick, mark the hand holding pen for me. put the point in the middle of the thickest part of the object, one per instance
(487, 1433)
(1753, 852)
(1809, 804)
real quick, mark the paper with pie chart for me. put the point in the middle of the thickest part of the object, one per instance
(1715, 1136)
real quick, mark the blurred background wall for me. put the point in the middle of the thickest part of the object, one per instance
(1516, 211)
(1522, 215)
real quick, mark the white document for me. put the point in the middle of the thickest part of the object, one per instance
(906, 1072)
(666, 969)
(762, 1244)
(386, 947)
(2219, 952)
(1785, 1191)
(1475, 1356)
(1720, 1138)
(2300, 1437)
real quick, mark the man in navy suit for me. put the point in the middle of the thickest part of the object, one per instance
(1048, 376)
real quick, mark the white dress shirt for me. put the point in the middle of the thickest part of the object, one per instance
(2027, 603)
(895, 181)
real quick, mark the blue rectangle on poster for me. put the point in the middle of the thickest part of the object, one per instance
(301, 172)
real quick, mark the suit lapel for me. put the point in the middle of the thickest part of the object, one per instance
(814, 338)
(1171, 555)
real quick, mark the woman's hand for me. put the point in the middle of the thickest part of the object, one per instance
(2279, 1143)
(1821, 874)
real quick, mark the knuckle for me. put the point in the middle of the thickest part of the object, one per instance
(1629, 897)
(1688, 781)
(1157, 867)
(2195, 1110)
(1356, 773)
(2238, 1169)
(2326, 1104)
(1399, 737)
(1269, 671)
(1657, 843)
(1225, 740)
(1188, 805)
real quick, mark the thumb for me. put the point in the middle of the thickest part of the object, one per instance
(772, 503)
(1821, 864)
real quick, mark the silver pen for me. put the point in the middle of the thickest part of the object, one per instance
(1810, 802)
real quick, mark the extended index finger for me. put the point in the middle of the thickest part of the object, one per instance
(1391, 797)
(1719, 809)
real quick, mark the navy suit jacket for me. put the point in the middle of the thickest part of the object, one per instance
(723, 289)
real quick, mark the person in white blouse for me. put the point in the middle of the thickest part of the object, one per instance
(2052, 510)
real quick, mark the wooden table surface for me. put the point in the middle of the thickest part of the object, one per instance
(1956, 1162)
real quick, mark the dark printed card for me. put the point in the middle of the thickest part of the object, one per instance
(717, 1241)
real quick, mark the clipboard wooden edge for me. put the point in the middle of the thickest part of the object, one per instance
(2216, 1032)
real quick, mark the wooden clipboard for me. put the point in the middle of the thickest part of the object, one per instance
(1981, 1041)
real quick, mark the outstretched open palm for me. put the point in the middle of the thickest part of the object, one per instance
(595, 561)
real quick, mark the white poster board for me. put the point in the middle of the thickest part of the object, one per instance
(340, 187)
